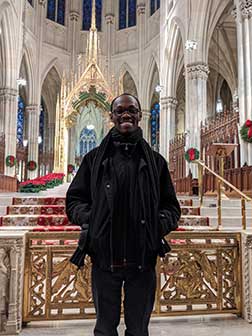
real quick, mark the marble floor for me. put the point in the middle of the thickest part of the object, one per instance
(225, 325)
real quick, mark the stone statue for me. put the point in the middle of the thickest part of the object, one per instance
(4, 282)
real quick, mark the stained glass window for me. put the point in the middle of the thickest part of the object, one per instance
(87, 14)
(88, 141)
(98, 14)
(41, 124)
(154, 5)
(20, 120)
(56, 11)
(122, 14)
(61, 12)
(127, 13)
(155, 112)
(132, 13)
(51, 9)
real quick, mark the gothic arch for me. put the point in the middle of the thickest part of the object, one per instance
(49, 91)
(174, 58)
(149, 69)
(7, 50)
(27, 63)
(152, 81)
(126, 69)
(52, 64)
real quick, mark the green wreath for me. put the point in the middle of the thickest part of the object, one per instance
(10, 161)
(246, 131)
(192, 154)
(31, 165)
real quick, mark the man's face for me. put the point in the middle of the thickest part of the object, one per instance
(126, 114)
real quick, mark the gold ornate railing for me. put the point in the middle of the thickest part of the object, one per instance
(220, 183)
(201, 275)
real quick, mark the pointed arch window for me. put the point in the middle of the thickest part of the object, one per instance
(41, 125)
(30, 2)
(154, 6)
(20, 120)
(87, 14)
(56, 11)
(127, 13)
(155, 116)
(88, 141)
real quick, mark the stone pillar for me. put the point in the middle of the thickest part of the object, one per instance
(244, 33)
(167, 123)
(141, 28)
(196, 75)
(11, 282)
(145, 125)
(73, 35)
(8, 113)
(110, 37)
(32, 111)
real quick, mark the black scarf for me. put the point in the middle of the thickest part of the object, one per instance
(136, 136)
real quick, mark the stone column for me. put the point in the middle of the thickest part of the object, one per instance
(145, 125)
(11, 282)
(141, 28)
(8, 113)
(32, 111)
(110, 34)
(196, 75)
(167, 123)
(73, 35)
(244, 33)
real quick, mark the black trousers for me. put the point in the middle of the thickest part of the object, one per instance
(139, 295)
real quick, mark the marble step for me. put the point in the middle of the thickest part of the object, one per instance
(34, 220)
(226, 212)
(36, 210)
(3, 210)
(54, 220)
(5, 200)
(230, 221)
(38, 201)
(230, 203)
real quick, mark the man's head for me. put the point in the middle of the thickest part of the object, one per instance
(126, 113)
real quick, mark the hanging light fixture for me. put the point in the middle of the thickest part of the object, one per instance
(219, 103)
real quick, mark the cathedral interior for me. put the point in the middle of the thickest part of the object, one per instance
(189, 62)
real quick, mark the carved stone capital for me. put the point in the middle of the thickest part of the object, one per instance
(8, 94)
(169, 102)
(197, 71)
(42, 2)
(110, 18)
(31, 109)
(234, 12)
(141, 9)
(74, 16)
(245, 7)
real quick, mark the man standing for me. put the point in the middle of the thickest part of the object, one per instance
(123, 199)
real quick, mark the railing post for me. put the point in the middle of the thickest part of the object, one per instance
(243, 209)
(219, 204)
(200, 182)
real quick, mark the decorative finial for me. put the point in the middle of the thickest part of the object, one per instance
(93, 22)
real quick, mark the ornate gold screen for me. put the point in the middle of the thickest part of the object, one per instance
(200, 276)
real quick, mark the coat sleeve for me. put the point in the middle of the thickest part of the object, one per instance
(169, 210)
(78, 197)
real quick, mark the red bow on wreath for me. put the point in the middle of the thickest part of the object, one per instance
(248, 124)
(191, 153)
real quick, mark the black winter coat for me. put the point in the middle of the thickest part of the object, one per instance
(95, 216)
